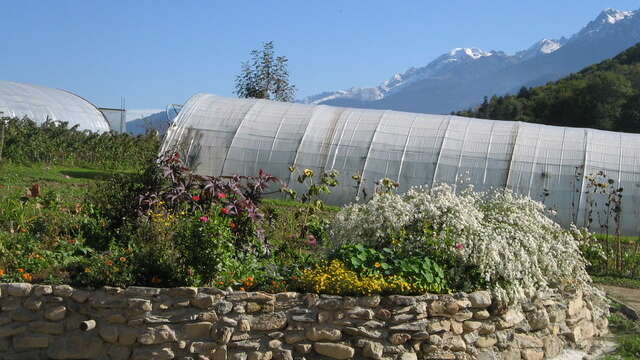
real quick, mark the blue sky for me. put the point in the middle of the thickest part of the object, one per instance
(160, 52)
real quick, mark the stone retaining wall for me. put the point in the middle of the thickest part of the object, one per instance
(59, 322)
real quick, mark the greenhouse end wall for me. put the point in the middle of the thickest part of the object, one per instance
(225, 136)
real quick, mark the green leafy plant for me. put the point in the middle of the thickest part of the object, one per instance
(424, 273)
(314, 223)
(205, 242)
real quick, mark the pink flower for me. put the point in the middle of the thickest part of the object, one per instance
(224, 211)
(459, 246)
(221, 195)
(204, 218)
(312, 240)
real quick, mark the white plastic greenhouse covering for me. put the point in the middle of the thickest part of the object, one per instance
(40, 103)
(225, 136)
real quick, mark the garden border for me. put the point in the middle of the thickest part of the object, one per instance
(60, 322)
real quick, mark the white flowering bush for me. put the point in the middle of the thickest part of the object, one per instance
(507, 239)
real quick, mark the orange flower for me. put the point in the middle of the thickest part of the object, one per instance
(20, 270)
(27, 277)
(123, 259)
(241, 289)
(1, 272)
(250, 278)
(220, 282)
(109, 262)
(87, 270)
(155, 280)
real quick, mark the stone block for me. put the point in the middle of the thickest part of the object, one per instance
(153, 353)
(373, 350)
(27, 342)
(532, 354)
(119, 352)
(46, 327)
(16, 289)
(182, 292)
(315, 333)
(108, 333)
(486, 341)
(334, 351)
(76, 346)
(268, 322)
(196, 330)
(480, 299)
(203, 301)
(55, 313)
(538, 319)
(399, 338)
(12, 329)
(41, 290)
(62, 290)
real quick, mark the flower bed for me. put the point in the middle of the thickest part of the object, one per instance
(166, 226)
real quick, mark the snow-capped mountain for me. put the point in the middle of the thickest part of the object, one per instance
(609, 23)
(463, 76)
(542, 47)
(610, 16)
(445, 63)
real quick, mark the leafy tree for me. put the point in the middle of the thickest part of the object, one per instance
(265, 76)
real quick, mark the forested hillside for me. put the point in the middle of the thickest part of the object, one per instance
(602, 96)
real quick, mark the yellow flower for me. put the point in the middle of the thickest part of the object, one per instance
(335, 279)
(377, 264)
(308, 172)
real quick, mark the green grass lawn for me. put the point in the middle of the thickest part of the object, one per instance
(617, 281)
(623, 239)
(72, 182)
(22, 175)
(627, 335)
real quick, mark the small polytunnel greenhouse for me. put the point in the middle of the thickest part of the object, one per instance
(225, 136)
(40, 104)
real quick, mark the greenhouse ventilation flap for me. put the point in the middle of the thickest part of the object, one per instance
(226, 136)
(40, 104)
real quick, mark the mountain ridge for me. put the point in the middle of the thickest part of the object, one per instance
(444, 84)
(602, 96)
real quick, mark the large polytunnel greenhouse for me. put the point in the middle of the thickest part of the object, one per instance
(40, 104)
(225, 136)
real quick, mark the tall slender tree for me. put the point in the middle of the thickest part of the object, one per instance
(265, 76)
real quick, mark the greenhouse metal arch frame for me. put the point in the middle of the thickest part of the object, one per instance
(226, 136)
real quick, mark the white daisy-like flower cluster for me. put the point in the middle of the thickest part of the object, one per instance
(517, 248)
